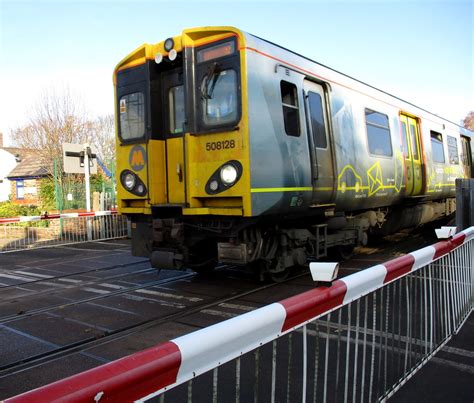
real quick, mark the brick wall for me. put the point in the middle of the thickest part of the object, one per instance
(31, 190)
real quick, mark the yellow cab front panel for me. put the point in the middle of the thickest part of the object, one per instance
(182, 125)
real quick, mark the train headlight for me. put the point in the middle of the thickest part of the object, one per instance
(132, 183)
(173, 54)
(129, 181)
(169, 44)
(224, 177)
(228, 174)
(158, 58)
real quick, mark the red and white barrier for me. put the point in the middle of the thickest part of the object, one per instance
(55, 216)
(148, 373)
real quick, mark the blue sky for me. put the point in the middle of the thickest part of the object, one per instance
(421, 51)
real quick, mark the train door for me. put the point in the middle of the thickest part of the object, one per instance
(320, 146)
(173, 93)
(466, 157)
(412, 152)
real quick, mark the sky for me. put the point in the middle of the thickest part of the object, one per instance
(419, 50)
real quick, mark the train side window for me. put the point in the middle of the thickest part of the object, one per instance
(317, 119)
(437, 147)
(289, 100)
(466, 154)
(378, 133)
(404, 140)
(414, 147)
(176, 109)
(453, 150)
(132, 116)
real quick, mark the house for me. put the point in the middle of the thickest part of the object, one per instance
(9, 158)
(25, 178)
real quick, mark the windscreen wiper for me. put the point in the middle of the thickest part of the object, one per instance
(211, 80)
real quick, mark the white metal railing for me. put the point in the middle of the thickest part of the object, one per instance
(58, 229)
(359, 339)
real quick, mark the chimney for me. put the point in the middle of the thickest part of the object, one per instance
(1, 140)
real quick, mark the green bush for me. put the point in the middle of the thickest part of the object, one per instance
(9, 209)
(47, 194)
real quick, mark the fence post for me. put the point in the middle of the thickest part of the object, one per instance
(464, 203)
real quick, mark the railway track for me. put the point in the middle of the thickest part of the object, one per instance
(13, 368)
(122, 290)
(50, 279)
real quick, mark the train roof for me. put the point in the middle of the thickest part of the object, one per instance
(464, 130)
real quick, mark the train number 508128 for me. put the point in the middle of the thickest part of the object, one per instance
(220, 145)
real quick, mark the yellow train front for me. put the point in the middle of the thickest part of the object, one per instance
(231, 149)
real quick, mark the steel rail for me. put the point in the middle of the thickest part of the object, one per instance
(39, 359)
(78, 273)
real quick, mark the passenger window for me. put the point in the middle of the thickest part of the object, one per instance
(414, 147)
(466, 154)
(317, 119)
(453, 150)
(437, 147)
(378, 133)
(132, 116)
(289, 100)
(176, 105)
(404, 140)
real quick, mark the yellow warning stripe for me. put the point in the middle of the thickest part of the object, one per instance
(271, 190)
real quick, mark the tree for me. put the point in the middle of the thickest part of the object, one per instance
(58, 117)
(104, 139)
(468, 121)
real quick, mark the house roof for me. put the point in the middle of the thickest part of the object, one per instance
(18, 152)
(30, 165)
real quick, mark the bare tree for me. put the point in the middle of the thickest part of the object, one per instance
(59, 117)
(104, 139)
(468, 121)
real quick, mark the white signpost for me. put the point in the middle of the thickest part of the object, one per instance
(81, 159)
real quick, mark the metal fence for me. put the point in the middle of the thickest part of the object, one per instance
(59, 229)
(359, 339)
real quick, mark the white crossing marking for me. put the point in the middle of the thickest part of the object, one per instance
(458, 351)
(69, 280)
(239, 307)
(457, 365)
(33, 274)
(16, 277)
(213, 312)
(96, 291)
(113, 286)
(167, 295)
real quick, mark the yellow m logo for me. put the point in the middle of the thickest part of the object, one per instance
(137, 159)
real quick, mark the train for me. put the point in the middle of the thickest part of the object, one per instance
(232, 150)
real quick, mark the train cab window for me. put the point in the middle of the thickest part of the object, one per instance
(453, 150)
(220, 97)
(176, 109)
(317, 119)
(437, 147)
(378, 133)
(132, 116)
(289, 100)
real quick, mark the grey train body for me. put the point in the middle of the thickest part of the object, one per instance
(349, 177)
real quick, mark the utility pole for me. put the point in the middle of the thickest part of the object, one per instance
(87, 171)
(82, 157)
